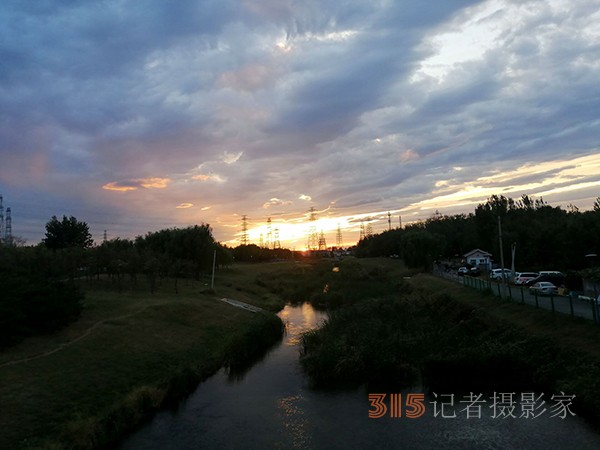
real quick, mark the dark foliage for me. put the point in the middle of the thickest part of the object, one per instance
(545, 236)
(254, 253)
(68, 232)
(35, 304)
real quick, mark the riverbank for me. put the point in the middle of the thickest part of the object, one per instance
(449, 338)
(130, 354)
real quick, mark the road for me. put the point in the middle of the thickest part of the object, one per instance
(559, 303)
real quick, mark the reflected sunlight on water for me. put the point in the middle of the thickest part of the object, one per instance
(299, 320)
(293, 416)
(274, 406)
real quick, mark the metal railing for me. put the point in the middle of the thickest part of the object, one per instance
(573, 304)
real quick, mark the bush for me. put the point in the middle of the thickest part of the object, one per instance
(34, 304)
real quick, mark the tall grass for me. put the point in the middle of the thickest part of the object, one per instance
(419, 337)
(130, 354)
(253, 343)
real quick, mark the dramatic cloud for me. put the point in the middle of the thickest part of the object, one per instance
(276, 202)
(114, 112)
(147, 183)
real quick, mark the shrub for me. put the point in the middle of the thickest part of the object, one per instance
(35, 304)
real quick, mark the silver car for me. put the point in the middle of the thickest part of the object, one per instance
(524, 277)
(543, 288)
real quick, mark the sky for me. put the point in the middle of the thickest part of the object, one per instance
(135, 116)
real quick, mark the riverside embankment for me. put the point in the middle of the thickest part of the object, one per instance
(274, 404)
(142, 352)
(443, 336)
(130, 354)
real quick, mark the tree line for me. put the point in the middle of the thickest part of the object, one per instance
(37, 283)
(38, 288)
(545, 237)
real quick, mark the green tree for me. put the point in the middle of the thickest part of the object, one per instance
(67, 233)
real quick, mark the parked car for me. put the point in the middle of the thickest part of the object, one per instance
(556, 278)
(543, 288)
(496, 274)
(523, 277)
(474, 271)
(462, 271)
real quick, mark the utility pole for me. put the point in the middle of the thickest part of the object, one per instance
(513, 250)
(212, 280)
(501, 249)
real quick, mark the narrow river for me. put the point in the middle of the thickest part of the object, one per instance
(273, 406)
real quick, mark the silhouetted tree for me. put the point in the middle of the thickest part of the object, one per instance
(66, 233)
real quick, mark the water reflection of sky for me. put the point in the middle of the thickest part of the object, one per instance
(299, 320)
(273, 406)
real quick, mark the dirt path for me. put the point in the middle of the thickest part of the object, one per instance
(243, 305)
(69, 343)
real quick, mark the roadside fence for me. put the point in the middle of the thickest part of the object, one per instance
(573, 304)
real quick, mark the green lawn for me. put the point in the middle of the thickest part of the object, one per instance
(120, 359)
(567, 332)
(126, 347)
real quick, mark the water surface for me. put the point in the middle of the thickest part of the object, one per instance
(273, 406)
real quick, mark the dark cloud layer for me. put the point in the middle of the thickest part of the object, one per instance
(122, 112)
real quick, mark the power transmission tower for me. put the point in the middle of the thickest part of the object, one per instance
(8, 229)
(322, 243)
(104, 236)
(276, 243)
(361, 236)
(1, 219)
(313, 239)
(400, 221)
(338, 237)
(244, 237)
(369, 230)
(269, 234)
(389, 221)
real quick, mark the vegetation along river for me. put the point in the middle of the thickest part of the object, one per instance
(272, 405)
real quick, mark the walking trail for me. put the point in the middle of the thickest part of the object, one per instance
(69, 343)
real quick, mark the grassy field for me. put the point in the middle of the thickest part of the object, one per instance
(571, 333)
(133, 352)
(421, 330)
(129, 353)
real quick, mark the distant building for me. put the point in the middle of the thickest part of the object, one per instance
(479, 258)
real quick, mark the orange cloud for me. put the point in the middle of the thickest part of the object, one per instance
(276, 202)
(207, 177)
(184, 205)
(147, 183)
(116, 186)
(154, 183)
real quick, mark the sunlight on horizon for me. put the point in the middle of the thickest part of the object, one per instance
(557, 177)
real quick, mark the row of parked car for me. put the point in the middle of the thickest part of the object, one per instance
(544, 282)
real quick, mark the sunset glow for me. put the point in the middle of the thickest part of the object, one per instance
(357, 110)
